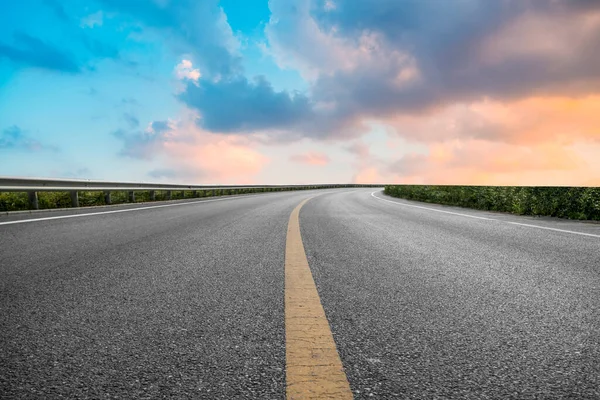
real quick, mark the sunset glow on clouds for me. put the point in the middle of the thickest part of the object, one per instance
(311, 158)
(300, 91)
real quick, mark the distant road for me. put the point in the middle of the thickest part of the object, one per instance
(187, 300)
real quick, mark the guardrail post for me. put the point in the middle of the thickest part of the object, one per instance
(107, 198)
(33, 200)
(169, 194)
(131, 196)
(152, 195)
(75, 198)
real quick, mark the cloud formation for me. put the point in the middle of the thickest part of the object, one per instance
(447, 52)
(31, 51)
(193, 154)
(497, 87)
(378, 60)
(60, 44)
(185, 70)
(194, 26)
(498, 91)
(311, 158)
(470, 91)
(239, 105)
(15, 138)
(485, 163)
(145, 144)
(538, 140)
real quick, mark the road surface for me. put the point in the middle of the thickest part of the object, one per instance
(187, 301)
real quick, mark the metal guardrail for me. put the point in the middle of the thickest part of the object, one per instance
(34, 185)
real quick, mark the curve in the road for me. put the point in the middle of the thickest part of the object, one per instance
(485, 218)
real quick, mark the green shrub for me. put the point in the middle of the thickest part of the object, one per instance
(563, 202)
(13, 201)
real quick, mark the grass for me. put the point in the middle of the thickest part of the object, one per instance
(582, 203)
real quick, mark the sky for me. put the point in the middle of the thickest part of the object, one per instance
(485, 92)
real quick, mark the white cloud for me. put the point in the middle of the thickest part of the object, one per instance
(186, 70)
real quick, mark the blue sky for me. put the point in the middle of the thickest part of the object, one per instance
(298, 91)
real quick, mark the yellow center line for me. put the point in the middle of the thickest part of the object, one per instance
(313, 366)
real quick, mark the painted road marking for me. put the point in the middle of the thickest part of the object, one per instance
(489, 219)
(22, 221)
(430, 209)
(552, 229)
(313, 366)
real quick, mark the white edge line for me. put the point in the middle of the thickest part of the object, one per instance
(23, 221)
(489, 219)
(552, 229)
(430, 209)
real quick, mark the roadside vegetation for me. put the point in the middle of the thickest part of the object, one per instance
(13, 201)
(581, 203)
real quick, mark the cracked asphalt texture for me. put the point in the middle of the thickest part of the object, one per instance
(187, 301)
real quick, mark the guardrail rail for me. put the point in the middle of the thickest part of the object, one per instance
(32, 186)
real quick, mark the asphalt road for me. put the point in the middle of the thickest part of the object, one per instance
(187, 301)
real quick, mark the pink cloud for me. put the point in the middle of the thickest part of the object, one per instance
(368, 175)
(187, 153)
(485, 163)
(532, 120)
(216, 160)
(311, 158)
(361, 67)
